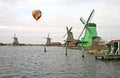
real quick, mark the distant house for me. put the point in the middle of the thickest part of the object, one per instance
(55, 43)
(112, 42)
(114, 46)
(73, 43)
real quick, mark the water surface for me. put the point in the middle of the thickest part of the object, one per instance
(32, 62)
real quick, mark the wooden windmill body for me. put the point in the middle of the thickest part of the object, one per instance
(70, 38)
(15, 41)
(69, 34)
(48, 42)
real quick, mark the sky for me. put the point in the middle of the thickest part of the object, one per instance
(16, 18)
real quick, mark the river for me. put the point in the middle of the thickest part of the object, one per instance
(32, 62)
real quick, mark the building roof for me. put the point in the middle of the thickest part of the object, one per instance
(112, 42)
(55, 43)
(74, 42)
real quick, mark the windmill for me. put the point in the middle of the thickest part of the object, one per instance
(48, 42)
(89, 30)
(70, 39)
(15, 41)
(69, 34)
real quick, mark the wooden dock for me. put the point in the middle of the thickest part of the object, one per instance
(108, 57)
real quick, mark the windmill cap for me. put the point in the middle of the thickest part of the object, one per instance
(91, 24)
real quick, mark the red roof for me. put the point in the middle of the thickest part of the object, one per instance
(55, 43)
(112, 41)
(74, 42)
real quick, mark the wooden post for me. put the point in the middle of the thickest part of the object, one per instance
(66, 48)
(83, 52)
(44, 48)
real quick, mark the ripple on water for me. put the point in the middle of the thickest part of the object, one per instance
(32, 62)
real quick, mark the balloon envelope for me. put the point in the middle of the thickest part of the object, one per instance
(37, 14)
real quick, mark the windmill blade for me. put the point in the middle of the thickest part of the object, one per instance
(64, 35)
(81, 33)
(90, 16)
(82, 20)
(67, 32)
(86, 23)
(67, 29)
(70, 29)
(89, 19)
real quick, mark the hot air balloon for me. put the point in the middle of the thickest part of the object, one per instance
(36, 14)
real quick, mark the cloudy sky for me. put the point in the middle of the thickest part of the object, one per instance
(16, 17)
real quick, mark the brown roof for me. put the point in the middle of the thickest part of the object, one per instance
(74, 42)
(112, 41)
(55, 43)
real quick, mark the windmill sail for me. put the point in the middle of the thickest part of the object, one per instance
(82, 20)
(69, 34)
(15, 42)
(90, 31)
(86, 23)
(90, 17)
